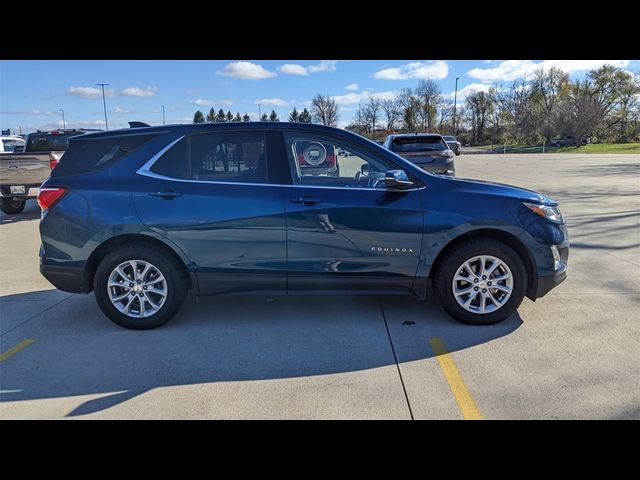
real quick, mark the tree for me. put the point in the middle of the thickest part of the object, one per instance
(410, 106)
(211, 116)
(246, 118)
(229, 116)
(372, 112)
(264, 118)
(237, 118)
(325, 109)
(391, 112)
(273, 117)
(479, 105)
(304, 117)
(198, 117)
(430, 97)
(547, 89)
(220, 116)
(293, 115)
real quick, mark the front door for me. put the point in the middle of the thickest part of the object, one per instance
(345, 230)
(214, 196)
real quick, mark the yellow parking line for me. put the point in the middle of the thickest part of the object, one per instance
(466, 403)
(15, 349)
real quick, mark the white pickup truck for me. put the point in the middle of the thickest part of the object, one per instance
(23, 171)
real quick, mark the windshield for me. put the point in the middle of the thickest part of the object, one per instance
(449, 139)
(418, 144)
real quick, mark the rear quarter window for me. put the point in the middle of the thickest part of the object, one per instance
(86, 154)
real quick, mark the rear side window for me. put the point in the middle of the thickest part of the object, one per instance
(235, 157)
(47, 143)
(418, 144)
(86, 155)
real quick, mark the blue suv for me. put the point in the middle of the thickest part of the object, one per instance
(140, 216)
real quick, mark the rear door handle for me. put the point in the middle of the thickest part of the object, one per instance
(166, 194)
(306, 200)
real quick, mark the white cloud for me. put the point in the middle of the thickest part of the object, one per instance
(202, 102)
(121, 110)
(246, 71)
(293, 69)
(139, 92)
(352, 87)
(226, 103)
(297, 69)
(468, 90)
(415, 70)
(351, 98)
(276, 102)
(323, 66)
(509, 70)
(31, 112)
(90, 92)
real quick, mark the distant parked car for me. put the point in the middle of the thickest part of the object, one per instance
(11, 143)
(569, 140)
(453, 143)
(343, 153)
(428, 151)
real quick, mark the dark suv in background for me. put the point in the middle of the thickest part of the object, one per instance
(140, 216)
(453, 143)
(428, 151)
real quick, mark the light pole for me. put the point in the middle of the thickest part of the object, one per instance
(259, 113)
(162, 114)
(104, 104)
(64, 125)
(455, 104)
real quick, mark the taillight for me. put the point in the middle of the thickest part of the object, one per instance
(53, 161)
(48, 197)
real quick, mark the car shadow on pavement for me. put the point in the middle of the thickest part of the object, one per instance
(31, 212)
(77, 351)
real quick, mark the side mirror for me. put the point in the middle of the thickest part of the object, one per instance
(365, 169)
(397, 179)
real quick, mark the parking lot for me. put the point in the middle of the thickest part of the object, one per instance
(572, 354)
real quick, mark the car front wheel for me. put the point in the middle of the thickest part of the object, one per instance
(139, 288)
(481, 282)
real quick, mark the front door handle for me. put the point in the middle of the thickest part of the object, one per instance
(168, 194)
(306, 200)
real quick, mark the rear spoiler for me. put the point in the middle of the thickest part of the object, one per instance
(138, 124)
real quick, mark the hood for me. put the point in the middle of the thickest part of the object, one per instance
(499, 189)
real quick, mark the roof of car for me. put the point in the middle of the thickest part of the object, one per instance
(407, 135)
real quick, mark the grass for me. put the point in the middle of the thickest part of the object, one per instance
(590, 148)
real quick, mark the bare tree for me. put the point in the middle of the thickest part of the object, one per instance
(547, 89)
(373, 112)
(430, 97)
(392, 111)
(410, 106)
(480, 106)
(324, 109)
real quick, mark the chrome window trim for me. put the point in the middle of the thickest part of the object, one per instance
(145, 171)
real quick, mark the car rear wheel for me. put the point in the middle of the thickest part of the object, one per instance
(11, 206)
(481, 282)
(139, 288)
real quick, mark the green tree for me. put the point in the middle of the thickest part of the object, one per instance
(237, 118)
(221, 116)
(273, 117)
(293, 115)
(264, 118)
(229, 116)
(304, 117)
(246, 118)
(198, 117)
(211, 116)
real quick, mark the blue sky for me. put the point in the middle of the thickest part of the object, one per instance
(32, 92)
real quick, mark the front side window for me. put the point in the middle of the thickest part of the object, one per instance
(324, 161)
(235, 157)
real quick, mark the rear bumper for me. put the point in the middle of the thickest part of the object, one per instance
(548, 283)
(67, 279)
(31, 191)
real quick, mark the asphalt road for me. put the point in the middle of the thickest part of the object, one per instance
(573, 354)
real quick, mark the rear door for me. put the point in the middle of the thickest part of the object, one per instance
(348, 232)
(216, 197)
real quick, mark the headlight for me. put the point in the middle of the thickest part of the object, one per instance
(546, 211)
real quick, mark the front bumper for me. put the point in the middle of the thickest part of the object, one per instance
(548, 283)
(67, 279)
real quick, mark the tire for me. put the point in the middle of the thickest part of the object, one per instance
(11, 206)
(510, 263)
(457, 152)
(174, 285)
